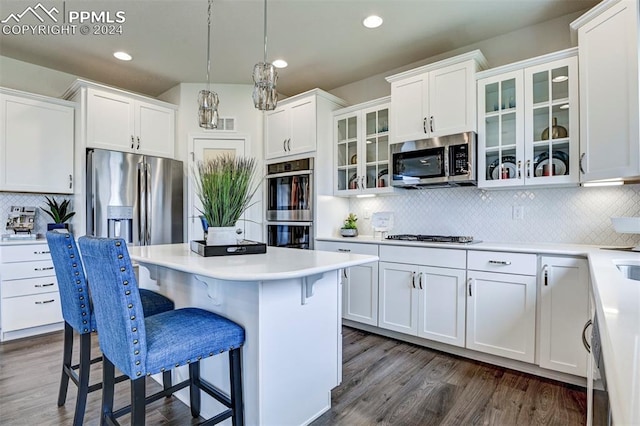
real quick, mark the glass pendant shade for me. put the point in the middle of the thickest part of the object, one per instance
(265, 77)
(208, 109)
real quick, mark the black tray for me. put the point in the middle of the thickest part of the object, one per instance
(243, 247)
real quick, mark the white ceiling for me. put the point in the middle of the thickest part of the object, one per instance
(323, 40)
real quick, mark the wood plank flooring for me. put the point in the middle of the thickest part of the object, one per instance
(385, 382)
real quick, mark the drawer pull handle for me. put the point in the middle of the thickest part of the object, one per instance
(345, 250)
(41, 252)
(45, 301)
(48, 268)
(43, 285)
(500, 262)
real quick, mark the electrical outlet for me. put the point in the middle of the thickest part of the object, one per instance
(517, 212)
(367, 213)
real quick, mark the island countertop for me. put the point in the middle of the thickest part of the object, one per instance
(276, 264)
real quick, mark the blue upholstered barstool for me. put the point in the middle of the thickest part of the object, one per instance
(140, 346)
(78, 316)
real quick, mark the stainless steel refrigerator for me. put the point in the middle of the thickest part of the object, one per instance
(136, 197)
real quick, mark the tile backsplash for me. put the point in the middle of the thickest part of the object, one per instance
(563, 215)
(8, 199)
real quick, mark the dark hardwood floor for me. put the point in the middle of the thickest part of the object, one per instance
(384, 382)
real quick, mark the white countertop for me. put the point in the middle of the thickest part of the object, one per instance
(276, 264)
(617, 301)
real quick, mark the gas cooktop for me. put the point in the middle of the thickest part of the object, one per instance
(433, 238)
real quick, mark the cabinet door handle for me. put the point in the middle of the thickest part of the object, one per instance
(344, 273)
(580, 163)
(289, 144)
(70, 181)
(431, 123)
(528, 168)
(42, 252)
(138, 139)
(43, 285)
(500, 262)
(545, 270)
(424, 125)
(420, 280)
(132, 142)
(585, 342)
(519, 169)
(362, 182)
(284, 145)
(413, 279)
(45, 301)
(344, 250)
(48, 268)
(469, 282)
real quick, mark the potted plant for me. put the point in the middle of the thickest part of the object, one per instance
(225, 186)
(60, 213)
(350, 229)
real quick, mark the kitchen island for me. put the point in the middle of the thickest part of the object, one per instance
(289, 303)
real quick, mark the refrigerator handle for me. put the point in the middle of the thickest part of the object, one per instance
(147, 220)
(92, 194)
(142, 208)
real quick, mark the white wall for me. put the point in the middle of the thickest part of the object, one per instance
(31, 78)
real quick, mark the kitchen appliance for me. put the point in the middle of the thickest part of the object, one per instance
(433, 238)
(601, 415)
(289, 204)
(442, 161)
(136, 197)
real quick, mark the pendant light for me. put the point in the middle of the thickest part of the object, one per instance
(208, 99)
(265, 97)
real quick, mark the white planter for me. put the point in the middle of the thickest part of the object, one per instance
(222, 236)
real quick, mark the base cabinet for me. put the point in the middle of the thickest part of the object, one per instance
(564, 309)
(501, 306)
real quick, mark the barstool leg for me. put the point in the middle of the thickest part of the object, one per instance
(235, 373)
(66, 364)
(83, 378)
(194, 389)
(108, 384)
(138, 395)
(166, 382)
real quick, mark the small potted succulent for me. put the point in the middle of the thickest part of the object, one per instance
(59, 212)
(350, 229)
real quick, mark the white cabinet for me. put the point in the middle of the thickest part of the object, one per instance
(501, 302)
(359, 283)
(435, 100)
(361, 146)
(36, 143)
(528, 123)
(608, 37)
(564, 309)
(296, 125)
(122, 121)
(425, 299)
(29, 297)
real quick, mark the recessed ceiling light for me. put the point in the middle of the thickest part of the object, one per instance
(560, 79)
(372, 21)
(280, 63)
(123, 56)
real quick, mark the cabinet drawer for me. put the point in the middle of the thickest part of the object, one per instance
(495, 261)
(427, 256)
(357, 248)
(19, 270)
(31, 311)
(28, 286)
(24, 253)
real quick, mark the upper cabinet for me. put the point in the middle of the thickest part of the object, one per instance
(120, 121)
(293, 127)
(361, 145)
(36, 143)
(435, 100)
(528, 123)
(609, 114)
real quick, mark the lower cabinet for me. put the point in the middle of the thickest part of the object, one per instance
(29, 296)
(501, 304)
(359, 283)
(420, 300)
(564, 310)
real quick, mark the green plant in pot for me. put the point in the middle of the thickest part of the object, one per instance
(225, 186)
(59, 212)
(350, 228)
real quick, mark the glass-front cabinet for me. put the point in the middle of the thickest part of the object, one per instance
(528, 123)
(361, 137)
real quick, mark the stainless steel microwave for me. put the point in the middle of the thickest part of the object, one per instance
(442, 161)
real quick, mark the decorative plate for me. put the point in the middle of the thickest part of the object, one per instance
(353, 182)
(383, 178)
(508, 162)
(560, 163)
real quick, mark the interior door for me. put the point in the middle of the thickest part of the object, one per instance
(206, 147)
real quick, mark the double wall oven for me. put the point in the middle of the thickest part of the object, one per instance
(289, 204)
